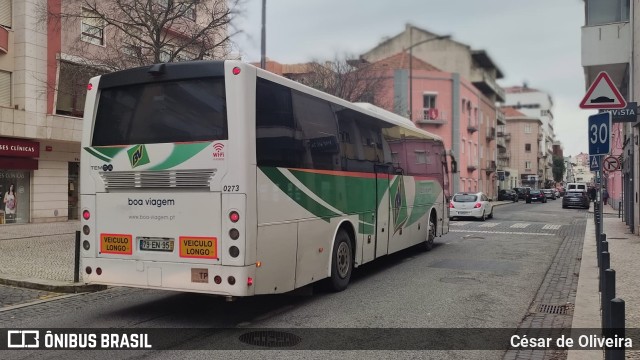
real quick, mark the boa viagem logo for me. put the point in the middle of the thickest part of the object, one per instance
(138, 156)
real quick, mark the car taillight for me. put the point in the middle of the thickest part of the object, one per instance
(451, 205)
(478, 205)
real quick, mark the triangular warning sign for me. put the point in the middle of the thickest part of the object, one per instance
(603, 94)
(594, 162)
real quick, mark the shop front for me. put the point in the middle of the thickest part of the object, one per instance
(18, 159)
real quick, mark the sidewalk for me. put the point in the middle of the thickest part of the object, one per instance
(40, 256)
(624, 249)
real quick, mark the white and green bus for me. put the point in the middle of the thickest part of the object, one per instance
(218, 177)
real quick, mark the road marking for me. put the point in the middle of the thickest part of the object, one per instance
(519, 225)
(501, 232)
(489, 225)
(459, 223)
(551, 227)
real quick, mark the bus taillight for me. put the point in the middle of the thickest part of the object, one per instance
(86, 215)
(236, 71)
(234, 216)
(249, 281)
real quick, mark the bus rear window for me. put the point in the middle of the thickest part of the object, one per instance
(161, 112)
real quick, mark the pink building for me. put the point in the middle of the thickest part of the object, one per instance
(525, 148)
(449, 106)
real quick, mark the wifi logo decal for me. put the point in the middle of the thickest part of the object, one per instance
(218, 151)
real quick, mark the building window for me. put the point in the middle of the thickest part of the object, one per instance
(5, 13)
(92, 27)
(429, 101)
(72, 88)
(421, 157)
(527, 128)
(601, 12)
(5, 88)
(527, 147)
(527, 165)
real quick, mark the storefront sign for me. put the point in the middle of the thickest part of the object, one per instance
(19, 148)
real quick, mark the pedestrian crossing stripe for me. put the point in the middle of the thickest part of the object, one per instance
(519, 225)
(490, 225)
(551, 227)
(460, 223)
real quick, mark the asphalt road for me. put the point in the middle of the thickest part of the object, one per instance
(480, 275)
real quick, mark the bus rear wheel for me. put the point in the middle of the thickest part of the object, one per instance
(427, 245)
(341, 262)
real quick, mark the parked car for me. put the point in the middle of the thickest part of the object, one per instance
(549, 194)
(522, 192)
(557, 192)
(576, 199)
(476, 205)
(507, 194)
(536, 195)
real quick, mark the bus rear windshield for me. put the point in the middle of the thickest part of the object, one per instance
(161, 112)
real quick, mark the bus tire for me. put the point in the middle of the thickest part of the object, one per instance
(427, 245)
(341, 262)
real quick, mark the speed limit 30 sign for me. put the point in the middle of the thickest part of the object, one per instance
(600, 134)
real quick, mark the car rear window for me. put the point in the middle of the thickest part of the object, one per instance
(573, 194)
(465, 198)
(534, 192)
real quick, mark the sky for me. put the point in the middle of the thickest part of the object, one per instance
(537, 42)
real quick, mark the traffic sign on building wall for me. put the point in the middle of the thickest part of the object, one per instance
(603, 94)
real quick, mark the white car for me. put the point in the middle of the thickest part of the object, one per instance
(475, 205)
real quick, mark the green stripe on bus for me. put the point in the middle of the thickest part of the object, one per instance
(97, 154)
(109, 152)
(425, 196)
(297, 195)
(180, 154)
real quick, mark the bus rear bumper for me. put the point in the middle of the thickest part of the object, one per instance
(201, 278)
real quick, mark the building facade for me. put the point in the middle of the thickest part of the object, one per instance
(41, 105)
(609, 44)
(537, 104)
(524, 148)
(469, 116)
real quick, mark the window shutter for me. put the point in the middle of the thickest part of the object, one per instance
(5, 13)
(5, 88)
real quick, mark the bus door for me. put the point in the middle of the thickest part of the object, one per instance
(383, 180)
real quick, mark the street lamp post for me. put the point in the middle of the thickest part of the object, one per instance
(263, 43)
(411, 46)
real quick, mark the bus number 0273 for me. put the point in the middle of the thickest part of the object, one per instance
(231, 188)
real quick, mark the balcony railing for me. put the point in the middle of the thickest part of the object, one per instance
(540, 136)
(491, 133)
(504, 154)
(433, 116)
(540, 154)
(491, 166)
(507, 137)
(501, 142)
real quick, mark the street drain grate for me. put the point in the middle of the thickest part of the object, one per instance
(268, 338)
(555, 309)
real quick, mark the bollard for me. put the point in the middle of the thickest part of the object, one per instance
(76, 262)
(616, 328)
(606, 296)
(605, 262)
(619, 209)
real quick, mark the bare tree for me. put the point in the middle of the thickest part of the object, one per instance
(350, 80)
(101, 36)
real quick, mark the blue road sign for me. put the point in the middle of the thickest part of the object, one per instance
(594, 162)
(600, 134)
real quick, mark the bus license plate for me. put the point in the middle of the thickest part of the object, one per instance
(151, 244)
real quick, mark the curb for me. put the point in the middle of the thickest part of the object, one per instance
(49, 285)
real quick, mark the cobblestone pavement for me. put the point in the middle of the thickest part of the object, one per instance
(40, 251)
(553, 305)
(10, 295)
